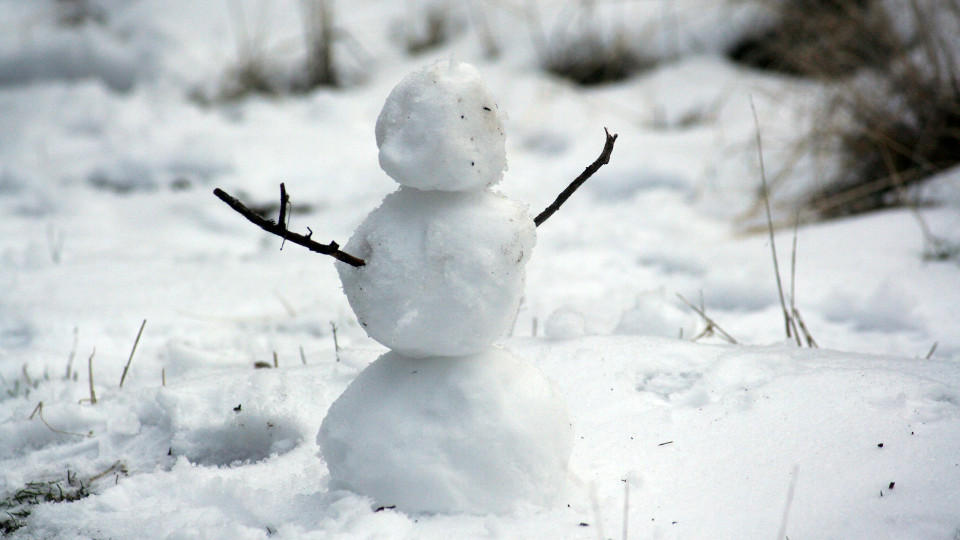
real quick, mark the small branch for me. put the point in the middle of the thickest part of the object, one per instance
(578, 181)
(332, 249)
(133, 350)
(336, 344)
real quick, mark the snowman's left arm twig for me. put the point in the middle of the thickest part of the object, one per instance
(578, 181)
(280, 228)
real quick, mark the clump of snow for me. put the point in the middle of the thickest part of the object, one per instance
(655, 315)
(444, 271)
(565, 323)
(441, 129)
(473, 434)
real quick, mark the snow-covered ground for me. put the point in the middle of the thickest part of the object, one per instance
(107, 162)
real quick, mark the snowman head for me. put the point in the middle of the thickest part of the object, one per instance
(441, 130)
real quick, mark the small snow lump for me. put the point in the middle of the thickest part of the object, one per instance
(441, 130)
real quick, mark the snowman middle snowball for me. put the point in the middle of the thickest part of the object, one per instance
(444, 254)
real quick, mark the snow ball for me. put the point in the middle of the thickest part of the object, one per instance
(656, 315)
(565, 323)
(444, 271)
(441, 130)
(473, 434)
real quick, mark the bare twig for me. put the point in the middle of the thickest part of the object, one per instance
(773, 245)
(932, 350)
(133, 350)
(336, 344)
(578, 181)
(73, 353)
(332, 249)
(303, 357)
(712, 326)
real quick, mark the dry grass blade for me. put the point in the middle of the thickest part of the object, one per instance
(133, 350)
(38, 411)
(787, 320)
(712, 327)
(93, 394)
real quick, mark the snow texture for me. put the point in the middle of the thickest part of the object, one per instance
(441, 130)
(472, 434)
(444, 271)
(105, 178)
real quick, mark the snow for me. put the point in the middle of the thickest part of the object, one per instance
(707, 435)
(441, 129)
(469, 434)
(444, 271)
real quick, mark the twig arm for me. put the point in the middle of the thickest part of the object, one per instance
(280, 229)
(578, 181)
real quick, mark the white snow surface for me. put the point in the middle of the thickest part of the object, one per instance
(441, 129)
(107, 160)
(471, 434)
(444, 271)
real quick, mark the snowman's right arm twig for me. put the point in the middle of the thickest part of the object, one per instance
(280, 228)
(578, 181)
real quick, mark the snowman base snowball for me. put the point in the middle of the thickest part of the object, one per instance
(472, 434)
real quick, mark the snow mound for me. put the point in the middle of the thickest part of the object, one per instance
(444, 271)
(654, 314)
(565, 323)
(473, 434)
(441, 130)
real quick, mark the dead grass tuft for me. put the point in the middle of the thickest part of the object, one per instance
(820, 38)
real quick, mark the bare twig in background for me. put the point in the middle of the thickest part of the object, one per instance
(712, 327)
(303, 357)
(133, 350)
(578, 181)
(318, 33)
(332, 249)
(935, 248)
(932, 350)
(73, 353)
(336, 344)
(55, 240)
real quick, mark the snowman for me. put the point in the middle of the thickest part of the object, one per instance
(445, 422)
